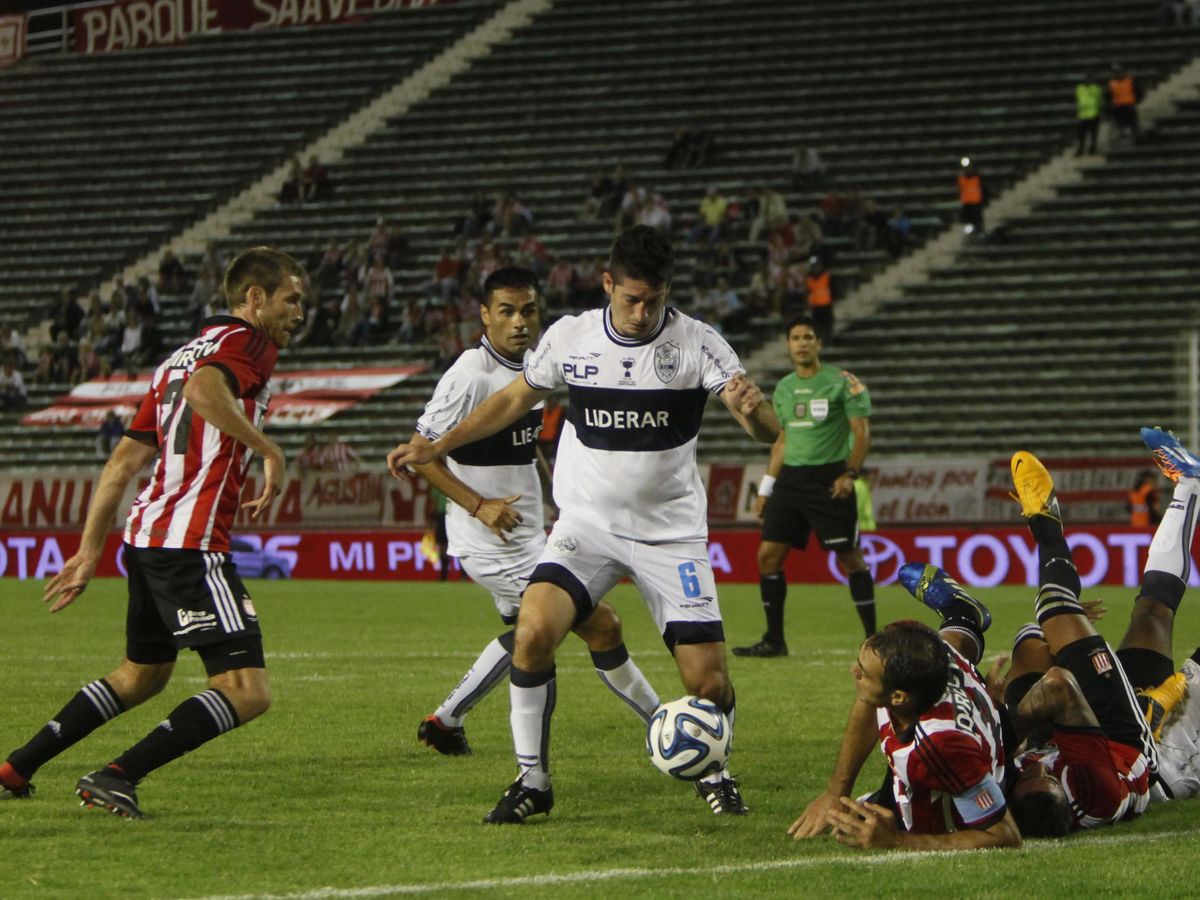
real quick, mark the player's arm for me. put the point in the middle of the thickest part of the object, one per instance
(774, 467)
(870, 826)
(746, 403)
(859, 739)
(860, 427)
(502, 408)
(546, 474)
(496, 513)
(208, 393)
(1054, 700)
(127, 459)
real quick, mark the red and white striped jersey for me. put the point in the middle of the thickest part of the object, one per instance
(948, 767)
(1105, 781)
(198, 474)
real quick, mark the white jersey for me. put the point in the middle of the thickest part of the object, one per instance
(627, 457)
(496, 466)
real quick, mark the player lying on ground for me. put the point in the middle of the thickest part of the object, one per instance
(632, 503)
(497, 538)
(199, 422)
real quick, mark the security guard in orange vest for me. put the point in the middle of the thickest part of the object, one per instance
(1123, 97)
(820, 299)
(972, 195)
(1144, 505)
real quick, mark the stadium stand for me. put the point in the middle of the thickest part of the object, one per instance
(891, 93)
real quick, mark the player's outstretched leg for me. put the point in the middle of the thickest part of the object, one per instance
(964, 619)
(94, 705)
(1146, 650)
(616, 670)
(444, 730)
(703, 671)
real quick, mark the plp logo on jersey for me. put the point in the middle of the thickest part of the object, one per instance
(666, 362)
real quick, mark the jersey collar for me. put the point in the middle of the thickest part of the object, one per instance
(617, 338)
(503, 360)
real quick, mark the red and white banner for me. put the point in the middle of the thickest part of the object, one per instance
(1113, 556)
(12, 39)
(136, 24)
(301, 397)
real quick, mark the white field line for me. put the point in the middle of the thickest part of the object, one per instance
(856, 860)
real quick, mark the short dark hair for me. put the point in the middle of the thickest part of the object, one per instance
(1042, 814)
(265, 267)
(915, 660)
(801, 319)
(643, 253)
(509, 278)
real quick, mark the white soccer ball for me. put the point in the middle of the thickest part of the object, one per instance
(688, 738)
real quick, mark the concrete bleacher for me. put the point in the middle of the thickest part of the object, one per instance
(892, 93)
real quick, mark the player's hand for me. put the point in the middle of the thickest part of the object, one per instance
(1093, 609)
(70, 582)
(498, 514)
(760, 506)
(997, 678)
(866, 825)
(743, 394)
(843, 486)
(274, 468)
(814, 820)
(405, 455)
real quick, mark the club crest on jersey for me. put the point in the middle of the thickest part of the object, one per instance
(799, 409)
(666, 362)
(819, 410)
(984, 800)
(566, 545)
(1102, 662)
(627, 371)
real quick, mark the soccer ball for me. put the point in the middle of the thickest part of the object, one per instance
(688, 738)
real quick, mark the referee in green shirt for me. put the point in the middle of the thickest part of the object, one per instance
(809, 485)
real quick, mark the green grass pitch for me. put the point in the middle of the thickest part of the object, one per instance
(330, 795)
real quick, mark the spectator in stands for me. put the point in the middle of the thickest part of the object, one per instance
(62, 358)
(559, 284)
(321, 323)
(533, 255)
(899, 233)
(759, 295)
(1179, 12)
(350, 314)
(711, 217)
(787, 289)
(553, 413)
(589, 278)
(12, 344)
(972, 196)
(510, 216)
(378, 282)
(146, 299)
(1089, 103)
(370, 327)
(599, 190)
(12, 385)
(619, 185)
(656, 213)
(450, 345)
(730, 311)
(292, 190)
(94, 307)
(314, 181)
(203, 288)
(171, 274)
(807, 237)
(819, 291)
(447, 274)
(131, 342)
(631, 205)
(121, 296)
(397, 247)
(309, 457)
(808, 169)
(151, 349)
(337, 455)
(66, 315)
(690, 147)
(87, 363)
(330, 269)
(1124, 94)
(871, 225)
(377, 240)
(109, 435)
(772, 212)
(43, 373)
(1144, 503)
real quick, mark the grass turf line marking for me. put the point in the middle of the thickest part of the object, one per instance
(808, 862)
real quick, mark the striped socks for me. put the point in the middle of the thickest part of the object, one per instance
(94, 705)
(193, 722)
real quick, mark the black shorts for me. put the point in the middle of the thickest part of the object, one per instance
(801, 503)
(189, 599)
(1103, 681)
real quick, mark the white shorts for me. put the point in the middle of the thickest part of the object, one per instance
(675, 579)
(505, 575)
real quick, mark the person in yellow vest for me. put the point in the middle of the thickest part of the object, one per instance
(1089, 103)
(820, 299)
(972, 195)
(1123, 96)
(1145, 507)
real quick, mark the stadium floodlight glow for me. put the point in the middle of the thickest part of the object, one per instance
(965, 161)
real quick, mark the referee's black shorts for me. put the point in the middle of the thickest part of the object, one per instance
(801, 503)
(189, 599)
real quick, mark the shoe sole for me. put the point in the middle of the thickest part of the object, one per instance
(91, 798)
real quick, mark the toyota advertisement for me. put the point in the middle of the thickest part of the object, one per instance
(982, 558)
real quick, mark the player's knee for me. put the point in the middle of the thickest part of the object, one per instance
(250, 700)
(770, 559)
(136, 683)
(712, 685)
(534, 639)
(602, 630)
(852, 560)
